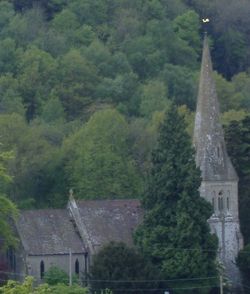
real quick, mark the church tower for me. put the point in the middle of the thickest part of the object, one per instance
(219, 179)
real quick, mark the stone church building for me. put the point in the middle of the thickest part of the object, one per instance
(68, 238)
(219, 179)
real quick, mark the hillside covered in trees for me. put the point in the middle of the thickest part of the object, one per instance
(84, 83)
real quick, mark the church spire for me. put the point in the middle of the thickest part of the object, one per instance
(211, 154)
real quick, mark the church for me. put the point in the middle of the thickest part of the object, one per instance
(68, 238)
(219, 179)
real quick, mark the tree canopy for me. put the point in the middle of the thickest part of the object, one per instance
(122, 269)
(103, 167)
(83, 89)
(175, 233)
(62, 63)
(8, 210)
(238, 144)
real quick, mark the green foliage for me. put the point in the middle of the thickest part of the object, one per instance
(188, 118)
(233, 115)
(66, 20)
(175, 234)
(59, 289)
(241, 83)
(187, 28)
(37, 166)
(6, 13)
(225, 93)
(56, 276)
(236, 56)
(52, 111)
(5, 179)
(10, 98)
(41, 177)
(8, 210)
(27, 287)
(117, 266)
(153, 98)
(181, 84)
(229, 24)
(13, 287)
(243, 261)
(78, 79)
(90, 12)
(8, 56)
(36, 79)
(61, 61)
(142, 138)
(25, 28)
(238, 145)
(143, 56)
(103, 158)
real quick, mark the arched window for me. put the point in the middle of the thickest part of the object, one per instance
(11, 257)
(42, 269)
(218, 152)
(77, 269)
(228, 203)
(220, 203)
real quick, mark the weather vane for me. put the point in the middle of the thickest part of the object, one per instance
(205, 20)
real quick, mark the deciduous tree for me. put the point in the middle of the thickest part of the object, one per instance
(103, 167)
(8, 211)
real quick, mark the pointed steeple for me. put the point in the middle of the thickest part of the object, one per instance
(211, 153)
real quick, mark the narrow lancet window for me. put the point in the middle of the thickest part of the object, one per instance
(77, 268)
(220, 203)
(218, 152)
(42, 269)
(215, 206)
(11, 257)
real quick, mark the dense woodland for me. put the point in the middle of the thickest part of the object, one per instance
(84, 85)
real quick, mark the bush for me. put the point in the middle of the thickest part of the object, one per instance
(26, 287)
(56, 276)
(243, 261)
(122, 270)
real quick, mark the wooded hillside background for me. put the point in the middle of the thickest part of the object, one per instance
(84, 84)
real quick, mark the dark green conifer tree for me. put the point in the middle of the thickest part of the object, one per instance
(122, 269)
(175, 233)
(238, 145)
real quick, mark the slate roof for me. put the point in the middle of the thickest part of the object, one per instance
(48, 231)
(109, 220)
(211, 153)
